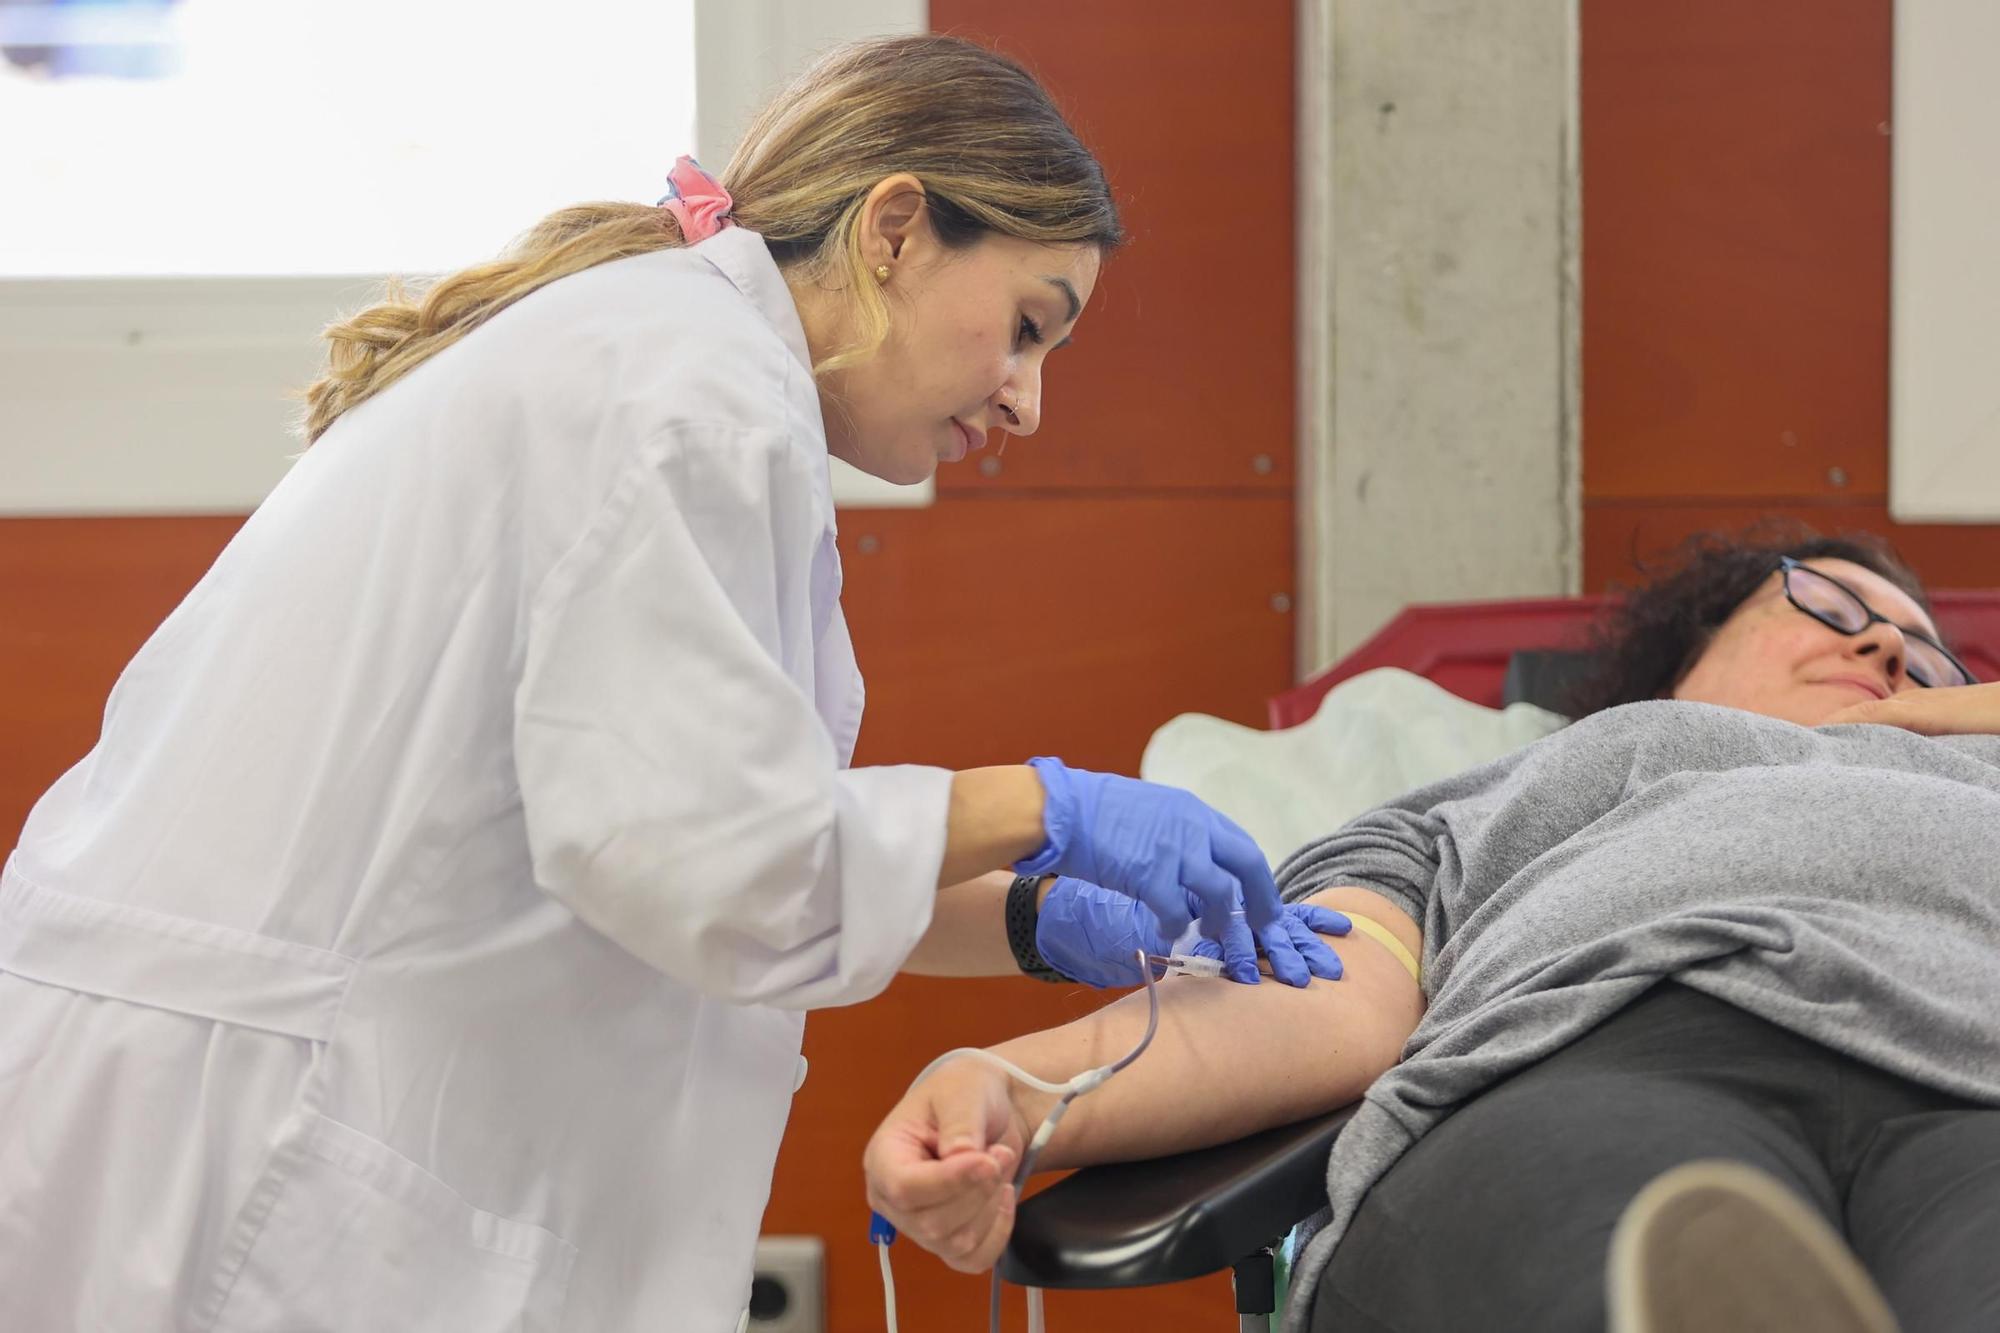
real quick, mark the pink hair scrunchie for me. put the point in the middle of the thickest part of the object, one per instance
(697, 200)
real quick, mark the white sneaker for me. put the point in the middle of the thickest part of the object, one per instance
(1720, 1247)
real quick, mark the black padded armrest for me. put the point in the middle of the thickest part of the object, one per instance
(1134, 1224)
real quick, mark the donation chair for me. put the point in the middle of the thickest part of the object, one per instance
(1137, 1224)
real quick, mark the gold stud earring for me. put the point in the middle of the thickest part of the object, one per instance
(881, 273)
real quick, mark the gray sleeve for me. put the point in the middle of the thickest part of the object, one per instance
(1463, 836)
(1395, 849)
(1390, 850)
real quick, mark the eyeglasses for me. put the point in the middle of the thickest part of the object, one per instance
(1838, 607)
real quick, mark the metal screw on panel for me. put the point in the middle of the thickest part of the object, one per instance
(868, 545)
(1837, 475)
(1280, 602)
(1261, 465)
(989, 467)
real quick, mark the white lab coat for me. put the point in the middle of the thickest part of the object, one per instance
(422, 946)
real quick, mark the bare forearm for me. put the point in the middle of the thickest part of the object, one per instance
(995, 819)
(968, 932)
(1228, 1059)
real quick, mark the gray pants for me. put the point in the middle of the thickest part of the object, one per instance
(1500, 1218)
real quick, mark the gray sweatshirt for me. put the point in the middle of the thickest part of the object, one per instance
(1842, 882)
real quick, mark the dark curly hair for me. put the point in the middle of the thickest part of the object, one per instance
(1651, 636)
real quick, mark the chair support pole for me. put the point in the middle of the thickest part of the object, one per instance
(1256, 1279)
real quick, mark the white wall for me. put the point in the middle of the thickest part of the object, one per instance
(745, 52)
(155, 395)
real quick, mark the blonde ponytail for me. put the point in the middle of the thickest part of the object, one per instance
(369, 351)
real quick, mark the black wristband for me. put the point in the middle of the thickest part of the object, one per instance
(1022, 911)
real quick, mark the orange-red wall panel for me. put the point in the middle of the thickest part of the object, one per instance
(990, 630)
(77, 598)
(1735, 248)
(1181, 376)
(1943, 556)
(1736, 202)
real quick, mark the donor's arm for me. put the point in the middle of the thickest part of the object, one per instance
(1228, 1060)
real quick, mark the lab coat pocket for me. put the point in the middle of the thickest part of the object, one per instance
(360, 1239)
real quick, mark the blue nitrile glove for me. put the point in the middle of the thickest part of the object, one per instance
(1158, 844)
(1090, 933)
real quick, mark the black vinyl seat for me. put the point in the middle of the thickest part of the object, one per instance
(1138, 1224)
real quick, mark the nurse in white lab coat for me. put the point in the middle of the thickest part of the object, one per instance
(425, 942)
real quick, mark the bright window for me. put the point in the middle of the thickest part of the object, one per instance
(191, 137)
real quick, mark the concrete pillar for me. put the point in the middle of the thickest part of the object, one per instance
(1438, 308)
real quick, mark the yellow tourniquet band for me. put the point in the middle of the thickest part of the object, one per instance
(1378, 932)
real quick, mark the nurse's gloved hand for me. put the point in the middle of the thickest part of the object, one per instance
(1157, 844)
(1090, 933)
(1292, 943)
